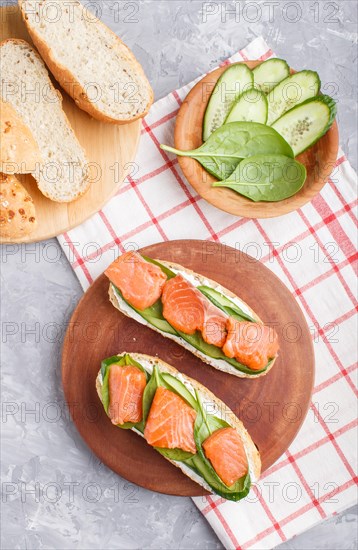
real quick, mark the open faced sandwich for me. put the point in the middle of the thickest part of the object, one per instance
(182, 420)
(196, 312)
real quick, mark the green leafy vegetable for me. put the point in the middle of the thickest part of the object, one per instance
(224, 149)
(105, 389)
(152, 314)
(174, 454)
(121, 360)
(206, 425)
(174, 384)
(149, 392)
(169, 382)
(267, 178)
(161, 379)
(196, 340)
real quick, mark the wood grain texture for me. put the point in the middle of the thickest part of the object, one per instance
(272, 408)
(319, 159)
(109, 148)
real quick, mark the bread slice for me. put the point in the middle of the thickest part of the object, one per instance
(25, 85)
(197, 280)
(17, 210)
(253, 455)
(19, 152)
(89, 61)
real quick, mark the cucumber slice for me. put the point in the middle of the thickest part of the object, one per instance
(180, 388)
(226, 305)
(270, 73)
(236, 79)
(306, 123)
(290, 92)
(251, 106)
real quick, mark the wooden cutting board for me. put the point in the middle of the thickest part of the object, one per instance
(272, 407)
(110, 148)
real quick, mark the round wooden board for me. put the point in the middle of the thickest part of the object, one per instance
(272, 407)
(319, 159)
(110, 147)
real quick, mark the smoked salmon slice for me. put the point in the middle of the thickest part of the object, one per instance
(126, 387)
(214, 328)
(140, 282)
(187, 310)
(251, 344)
(226, 452)
(170, 424)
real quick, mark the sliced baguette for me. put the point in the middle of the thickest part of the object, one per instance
(17, 210)
(196, 279)
(89, 61)
(25, 85)
(19, 152)
(253, 455)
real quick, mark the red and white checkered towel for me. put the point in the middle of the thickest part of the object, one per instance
(313, 253)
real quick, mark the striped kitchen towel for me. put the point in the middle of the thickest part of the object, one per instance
(312, 250)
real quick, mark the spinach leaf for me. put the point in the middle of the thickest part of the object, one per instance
(105, 368)
(169, 382)
(206, 425)
(203, 427)
(267, 178)
(105, 390)
(152, 314)
(174, 384)
(225, 304)
(121, 360)
(129, 361)
(149, 392)
(196, 340)
(174, 454)
(164, 379)
(229, 144)
(207, 473)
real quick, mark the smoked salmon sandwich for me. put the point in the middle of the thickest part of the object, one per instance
(182, 420)
(197, 313)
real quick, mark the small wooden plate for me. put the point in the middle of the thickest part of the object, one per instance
(272, 408)
(319, 159)
(110, 148)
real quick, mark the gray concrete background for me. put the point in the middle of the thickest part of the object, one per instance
(56, 494)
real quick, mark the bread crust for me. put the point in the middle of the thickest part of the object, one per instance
(17, 210)
(253, 454)
(219, 288)
(19, 152)
(71, 85)
(59, 95)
